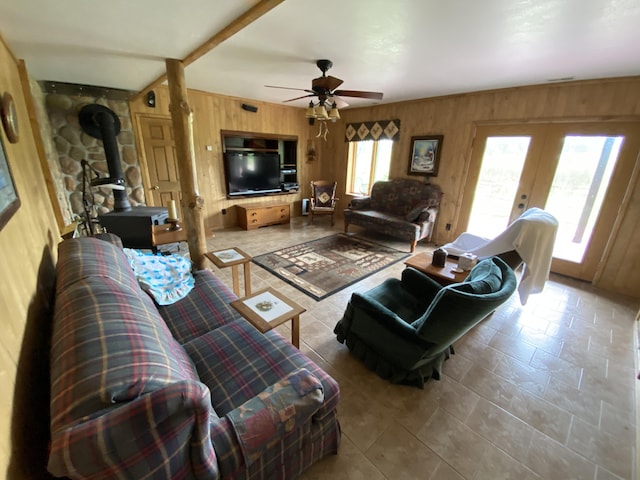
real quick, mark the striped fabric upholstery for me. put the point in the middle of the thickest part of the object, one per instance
(233, 377)
(204, 309)
(127, 399)
(92, 257)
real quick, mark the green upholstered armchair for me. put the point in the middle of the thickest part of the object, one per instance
(404, 329)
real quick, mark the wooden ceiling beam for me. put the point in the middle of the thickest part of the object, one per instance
(248, 17)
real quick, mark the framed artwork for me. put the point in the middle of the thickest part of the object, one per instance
(425, 155)
(9, 200)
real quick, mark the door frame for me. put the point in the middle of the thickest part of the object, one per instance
(539, 177)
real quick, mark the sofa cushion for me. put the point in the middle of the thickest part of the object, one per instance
(204, 309)
(485, 277)
(237, 362)
(86, 257)
(110, 345)
(399, 196)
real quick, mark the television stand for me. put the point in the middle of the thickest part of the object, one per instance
(255, 215)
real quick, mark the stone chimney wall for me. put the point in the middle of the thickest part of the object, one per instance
(74, 145)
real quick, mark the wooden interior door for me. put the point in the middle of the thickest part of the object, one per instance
(162, 168)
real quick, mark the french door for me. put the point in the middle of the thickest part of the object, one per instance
(577, 172)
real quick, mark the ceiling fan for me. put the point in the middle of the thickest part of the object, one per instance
(324, 88)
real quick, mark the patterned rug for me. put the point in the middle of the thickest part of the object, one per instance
(322, 267)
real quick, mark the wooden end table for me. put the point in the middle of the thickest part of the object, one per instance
(163, 234)
(267, 308)
(232, 257)
(444, 276)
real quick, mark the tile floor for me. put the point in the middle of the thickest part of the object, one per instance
(542, 391)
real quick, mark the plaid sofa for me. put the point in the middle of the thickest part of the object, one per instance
(402, 208)
(183, 391)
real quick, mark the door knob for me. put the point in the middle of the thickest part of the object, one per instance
(155, 187)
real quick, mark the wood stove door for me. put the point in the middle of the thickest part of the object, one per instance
(161, 163)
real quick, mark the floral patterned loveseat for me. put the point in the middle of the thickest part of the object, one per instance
(402, 208)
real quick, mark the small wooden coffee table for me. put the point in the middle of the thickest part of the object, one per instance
(444, 276)
(267, 308)
(232, 257)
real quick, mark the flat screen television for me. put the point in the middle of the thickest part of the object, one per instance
(252, 173)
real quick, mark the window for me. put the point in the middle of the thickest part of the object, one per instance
(369, 162)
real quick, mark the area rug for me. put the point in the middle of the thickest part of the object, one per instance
(325, 266)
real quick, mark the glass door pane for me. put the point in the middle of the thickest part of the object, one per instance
(577, 191)
(502, 164)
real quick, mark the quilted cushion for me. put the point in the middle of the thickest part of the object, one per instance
(485, 277)
(276, 412)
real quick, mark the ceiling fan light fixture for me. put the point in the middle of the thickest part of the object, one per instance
(310, 111)
(334, 113)
(321, 112)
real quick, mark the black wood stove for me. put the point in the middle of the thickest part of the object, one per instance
(132, 224)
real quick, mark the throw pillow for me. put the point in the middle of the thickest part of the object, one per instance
(415, 212)
(323, 196)
(485, 277)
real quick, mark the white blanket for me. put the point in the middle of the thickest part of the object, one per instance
(532, 235)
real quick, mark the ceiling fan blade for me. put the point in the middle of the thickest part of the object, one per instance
(359, 94)
(289, 88)
(340, 102)
(298, 98)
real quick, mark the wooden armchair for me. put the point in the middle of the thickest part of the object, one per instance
(323, 199)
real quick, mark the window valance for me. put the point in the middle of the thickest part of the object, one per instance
(376, 130)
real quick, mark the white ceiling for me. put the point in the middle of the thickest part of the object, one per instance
(407, 49)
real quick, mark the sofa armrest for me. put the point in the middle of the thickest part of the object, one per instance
(272, 414)
(360, 203)
(167, 429)
(419, 284)
(385, 317)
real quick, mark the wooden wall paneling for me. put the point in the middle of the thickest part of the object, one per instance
(28, 245)
(213, 113)
(453, 116)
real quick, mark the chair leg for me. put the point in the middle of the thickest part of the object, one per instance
(413, 246)
(311, 216)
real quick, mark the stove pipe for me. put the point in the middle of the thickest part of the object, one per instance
(102, 123)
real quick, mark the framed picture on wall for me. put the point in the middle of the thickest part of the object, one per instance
(9, 201)
(425, 155)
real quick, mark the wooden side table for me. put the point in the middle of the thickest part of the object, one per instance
(267, 308)
(163, 234)
(232, 257)
(444, 275)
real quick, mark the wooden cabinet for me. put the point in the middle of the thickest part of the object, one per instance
(256, 215)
